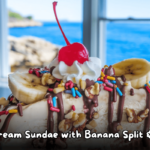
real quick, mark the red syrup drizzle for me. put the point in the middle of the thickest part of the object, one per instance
(71, 52)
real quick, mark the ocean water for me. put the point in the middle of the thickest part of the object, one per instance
(123, 40)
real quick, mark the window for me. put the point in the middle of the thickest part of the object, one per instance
(34, 37)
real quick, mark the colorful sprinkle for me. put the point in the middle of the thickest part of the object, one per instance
(113, 81)
(102, 74)
(73, 92)
(76, 96)
(110, 78)
(119, 92)
(73, 108)
(76, 88)
(30, 71)
(13, 111)
(44, 71)
(105, 66)
(100, 82)
(78, 93)
(54, 109)
(98, 79)
(50, 90)
(107, 88)
(148, 89)
(110, 84)
(68, 91)
(54, 101)
(4, 113)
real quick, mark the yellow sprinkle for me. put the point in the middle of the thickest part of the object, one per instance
(59, 85)
(22, 104)
(76, 88)
(13, 111)
(125, 83)
(110, 78)
(105, 66)
(116, 86)
(148, 84)
(102, 78)
(102, 74)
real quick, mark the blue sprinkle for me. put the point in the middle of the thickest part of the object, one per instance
(54, 101)
(73, 92)
(68, 91)
(119, 92)
(109, 81)
(44, 71)
(113, 81)
(145, 85)
(78, 93)
(100, 82)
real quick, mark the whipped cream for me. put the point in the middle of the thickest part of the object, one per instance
(88, 70)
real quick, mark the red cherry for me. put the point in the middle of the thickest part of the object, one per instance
(71, 52)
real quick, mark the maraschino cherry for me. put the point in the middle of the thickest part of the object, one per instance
(71, 52)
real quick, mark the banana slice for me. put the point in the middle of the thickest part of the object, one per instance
(132, 68)
(26, 87)
(138, 83)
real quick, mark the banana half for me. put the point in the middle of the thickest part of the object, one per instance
(26, 87)
(134, 70)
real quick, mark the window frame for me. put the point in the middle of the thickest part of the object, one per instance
(94, 36)
(4, 53)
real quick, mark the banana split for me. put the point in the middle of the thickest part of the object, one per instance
(75, 93)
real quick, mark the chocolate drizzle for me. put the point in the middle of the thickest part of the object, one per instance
(131, 92)
(6, 123)
(89, 103)
(112, 126)
(146, 141)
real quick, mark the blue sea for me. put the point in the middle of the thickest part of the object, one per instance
(123, 40)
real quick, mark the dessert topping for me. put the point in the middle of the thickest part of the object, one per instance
(71, 52)
(135, 118)
(65, 125)
(95, 115)
(47, 79)
(92, 124)
(58, 90)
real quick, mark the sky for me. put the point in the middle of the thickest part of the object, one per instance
(71, 10)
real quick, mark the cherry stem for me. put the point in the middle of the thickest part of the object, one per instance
(54, 7)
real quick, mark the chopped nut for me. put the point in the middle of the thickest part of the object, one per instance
(69, 115)
(75, 117)
(47, 79)
(58, 89)
(72, 115)
(4, 102)
(133, 118)
(119, 127)
(92, 124)
(95, 89)
(65, 125)
(80, 128)
(92, 90)
(95, 115)
(82, 84)
(81, 120)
